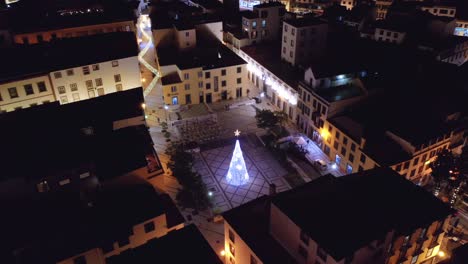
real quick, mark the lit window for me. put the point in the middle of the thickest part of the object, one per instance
(149, 227)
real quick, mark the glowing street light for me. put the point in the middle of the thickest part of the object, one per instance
(210, 193)
(143, 105)
(143, 79)
(441, 254)
(222, 253)
(334, 166)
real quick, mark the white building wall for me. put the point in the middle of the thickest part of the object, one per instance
(186, 39)
(127, 68)
(242, 251)
(386, 35)
(23, 100)
(446, 11)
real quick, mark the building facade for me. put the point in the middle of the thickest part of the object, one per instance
(303, 40)
(439, 10)
(202, 85)
(26, 92)
(97, 79)
(288, 232)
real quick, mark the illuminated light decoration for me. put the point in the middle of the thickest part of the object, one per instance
(441, 254)
(282, 91)
(427, 162)
(246, 4)
(237, 173)
(459, 31)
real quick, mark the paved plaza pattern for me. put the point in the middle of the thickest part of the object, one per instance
(263, 169)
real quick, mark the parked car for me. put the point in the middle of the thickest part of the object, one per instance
(320, 164)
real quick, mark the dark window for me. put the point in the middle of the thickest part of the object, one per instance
(223, 83)
(351, 158)
(343, 151)
(360, 168)
(353, 147)
(207, 75)
(304, 237)
(321, 253)
(149, 227)
(231, 236)
(398, 167)
(223, 72)
(123, 241)
(239, 80)
(415, 161)
(335, 145)
(13, 92)
(326, 149)
(412, 173)
(302, 251)
(239, 69)
(80, 260)
(345, 140)
(363, 158)
(208, 85)
(406, 165)
(117, 78)
(28, 89)
(337, 135)
(107, 248)
(253, 260)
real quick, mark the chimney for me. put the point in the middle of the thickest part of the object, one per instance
(272, 189)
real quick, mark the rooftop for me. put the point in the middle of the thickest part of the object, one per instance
(205, 57)
(54, 18)
(171, 78)
(305, 22)
(65, 53)
(266, 56)
(195, 250)
(355, 196)
(341, 92)
(67, 222)
(255, 231)
(55, 124)
(269, 4)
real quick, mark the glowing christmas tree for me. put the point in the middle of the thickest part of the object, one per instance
(237, 173)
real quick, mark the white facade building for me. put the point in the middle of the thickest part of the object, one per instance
(389, 35)
(447, 11)
(97, 79)
(25, 92)
(69, 70)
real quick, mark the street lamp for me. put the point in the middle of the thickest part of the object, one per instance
(166, 107)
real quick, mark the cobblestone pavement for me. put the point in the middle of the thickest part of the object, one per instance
(263, 169)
